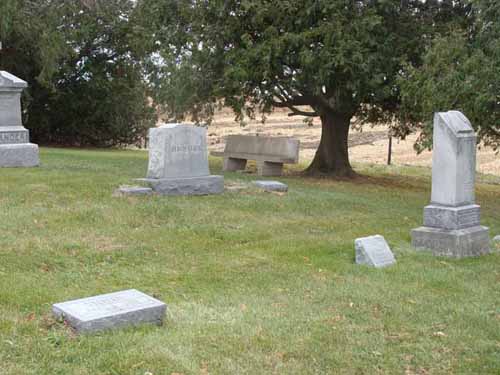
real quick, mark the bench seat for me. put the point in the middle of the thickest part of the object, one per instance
(270, 153)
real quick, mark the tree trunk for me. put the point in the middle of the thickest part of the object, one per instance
(332, 156)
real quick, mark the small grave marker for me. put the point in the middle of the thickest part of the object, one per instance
(271, 185)
(373, 251)
(134, 190)
(113, 310)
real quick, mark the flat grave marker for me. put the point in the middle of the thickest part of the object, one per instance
(134, 190)
(271, 185)
(112, 310)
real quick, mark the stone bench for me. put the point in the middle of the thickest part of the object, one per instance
(270, 153)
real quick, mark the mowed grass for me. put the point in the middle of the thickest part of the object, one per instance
(256, 283)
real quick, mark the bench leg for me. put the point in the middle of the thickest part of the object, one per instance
(232, 164)
(267, 168)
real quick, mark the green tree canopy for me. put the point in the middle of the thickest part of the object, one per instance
(338, 60)
(86, 67)
(460, 71)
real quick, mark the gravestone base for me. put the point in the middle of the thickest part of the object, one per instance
(444, 217)
(457, 243)
(19, 155)
(186, 186)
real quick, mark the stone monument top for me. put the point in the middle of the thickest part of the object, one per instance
(8, 80)
(455, 121)
(453, 160)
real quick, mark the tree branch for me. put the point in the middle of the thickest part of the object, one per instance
(298, 112)
(294, 111)
(287, 102)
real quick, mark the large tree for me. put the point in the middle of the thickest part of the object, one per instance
(334, 59)
(460, 71)
(86, 65)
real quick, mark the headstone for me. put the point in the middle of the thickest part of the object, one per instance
(134, 190)
(113, 310)
(271, 186)
(373, 251)
(178, 162)
(15, 148)
(452, 220)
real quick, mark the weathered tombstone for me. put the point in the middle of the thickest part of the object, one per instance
(178, 162)
(271, 185)
(113, 310)
(451, 221)
(15, 148)
(373, 251)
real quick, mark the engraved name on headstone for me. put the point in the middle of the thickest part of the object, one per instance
(14, 137)
(373, 251)
(113, 310)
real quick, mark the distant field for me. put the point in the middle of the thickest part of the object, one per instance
(370, 146)
(256, 283)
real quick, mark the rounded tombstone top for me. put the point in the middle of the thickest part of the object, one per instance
(10, 81)
(456, 122)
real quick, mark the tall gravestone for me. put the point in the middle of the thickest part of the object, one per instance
(15, 148)
(452, 220)
(178, 162)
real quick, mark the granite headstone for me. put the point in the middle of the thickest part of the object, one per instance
(178, 162)
(113, 310)
(452, 220)
(15, 148)
(373, 251)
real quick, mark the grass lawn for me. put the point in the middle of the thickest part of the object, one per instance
(255, 283)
